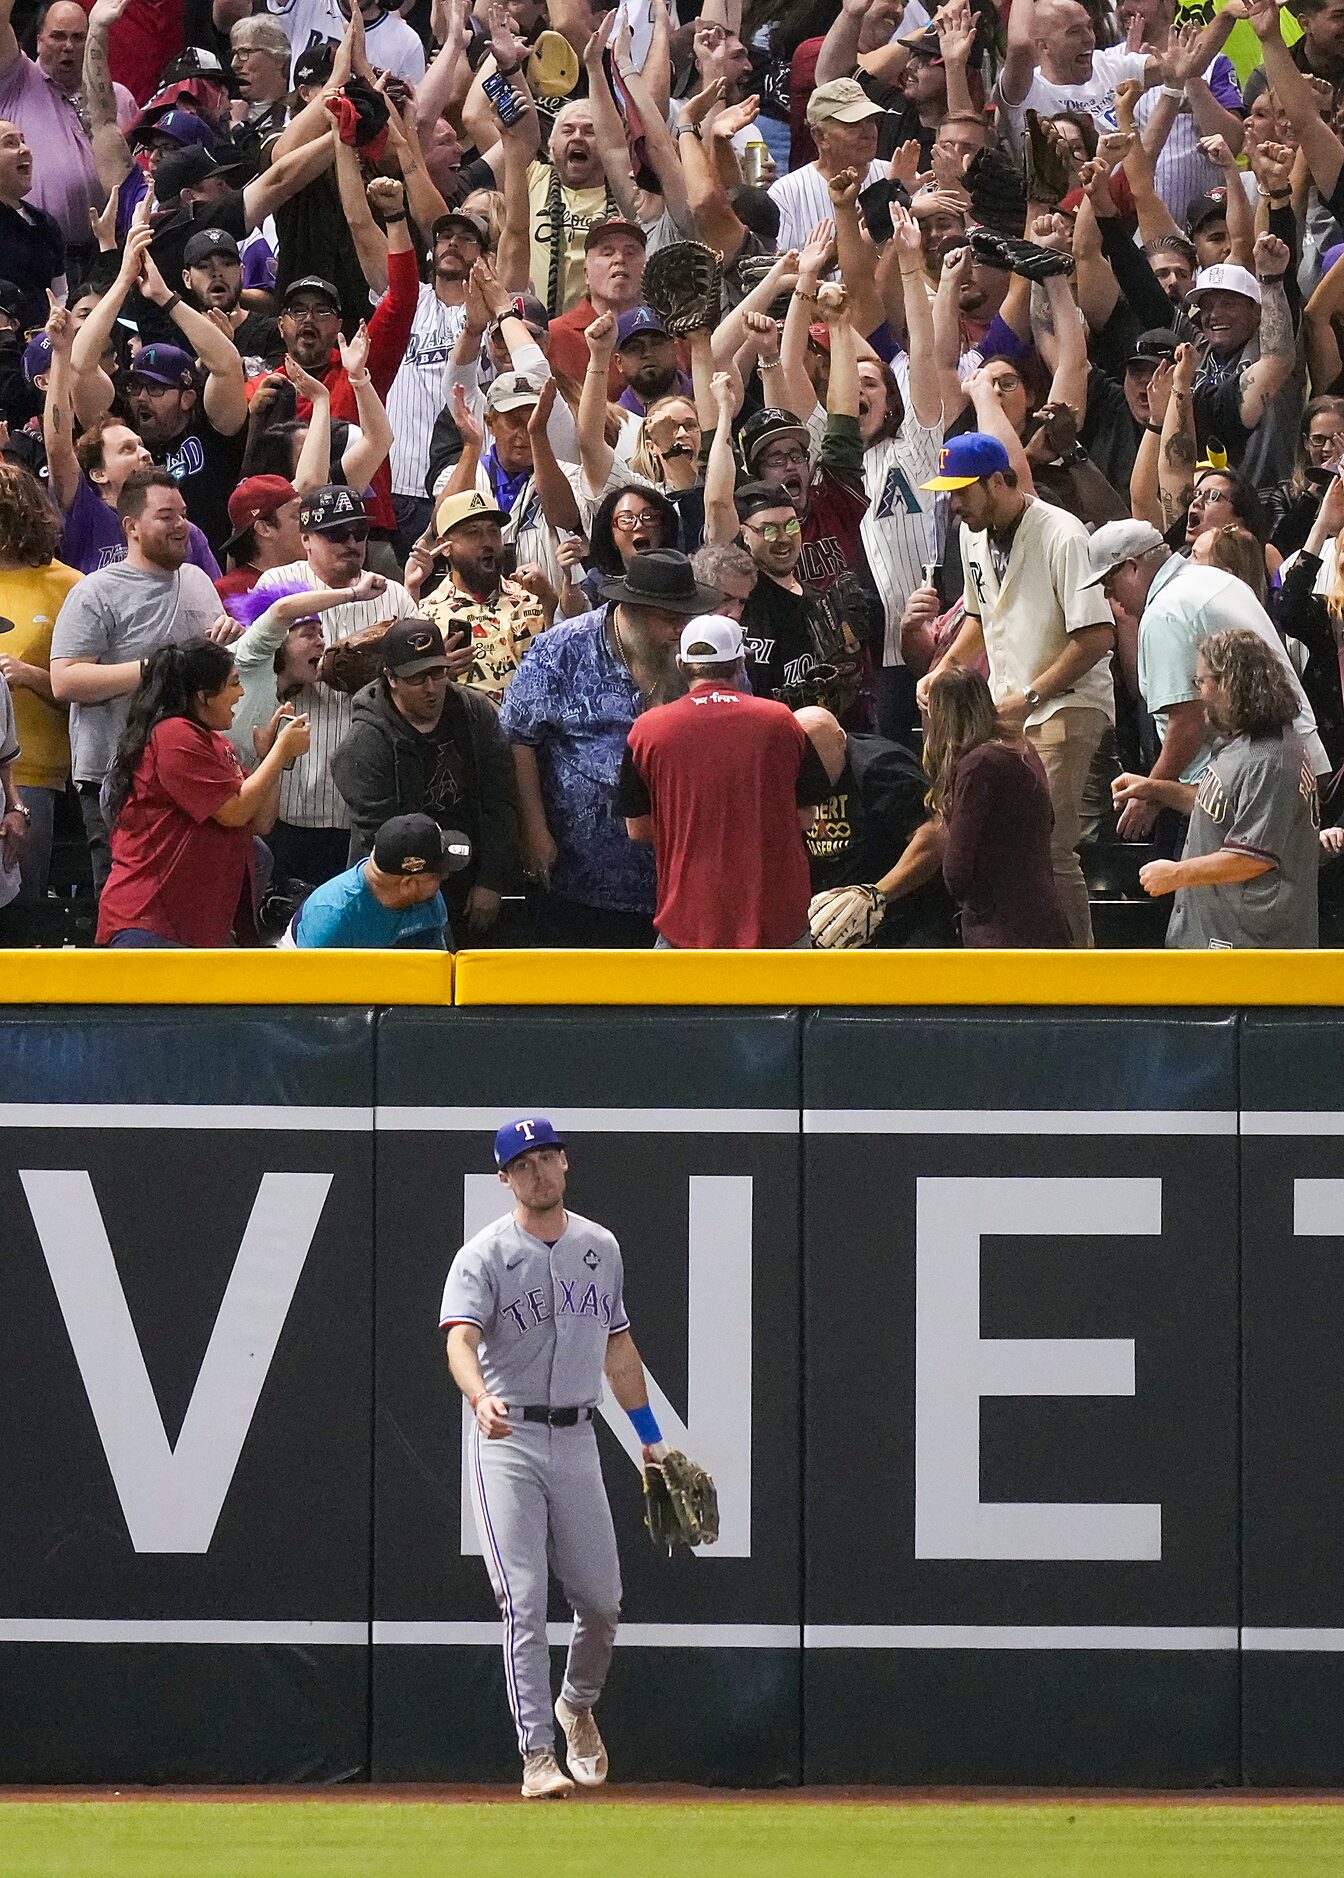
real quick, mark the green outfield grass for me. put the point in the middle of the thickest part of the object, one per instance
(585, 1839)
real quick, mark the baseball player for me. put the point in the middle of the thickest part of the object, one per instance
(535, 1317)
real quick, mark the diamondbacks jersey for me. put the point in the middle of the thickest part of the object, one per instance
(418, 392)
(803, 200)
(545, 1312)
(897, 530)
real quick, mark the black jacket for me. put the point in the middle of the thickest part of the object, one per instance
(382, 767)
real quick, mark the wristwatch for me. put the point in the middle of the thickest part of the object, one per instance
(1033, 698)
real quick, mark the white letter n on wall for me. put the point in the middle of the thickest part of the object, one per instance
(172, 1496)
(955, 1367)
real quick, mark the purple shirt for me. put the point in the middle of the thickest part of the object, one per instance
(65, 177)
(92, 537)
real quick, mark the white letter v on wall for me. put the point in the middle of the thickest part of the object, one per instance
(172, 1496)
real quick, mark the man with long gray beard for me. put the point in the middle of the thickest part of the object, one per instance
(567, 714)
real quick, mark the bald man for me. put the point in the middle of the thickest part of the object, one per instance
(44, 98)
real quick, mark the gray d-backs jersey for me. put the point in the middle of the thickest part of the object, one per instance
(544, 1312)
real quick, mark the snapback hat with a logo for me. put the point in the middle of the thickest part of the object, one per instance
(468, 505)
(520, 1137)
(408, 845)
(411, 646)
(334, 505)
(968, 459)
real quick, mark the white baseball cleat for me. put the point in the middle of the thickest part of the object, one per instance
(584, 1751)
(543, 1779)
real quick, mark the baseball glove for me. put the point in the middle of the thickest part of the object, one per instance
(998, 200)
(1026, 258)
(682, 284)
(681, 1504)
(845, 916)
(1045, 162)
(352, 663)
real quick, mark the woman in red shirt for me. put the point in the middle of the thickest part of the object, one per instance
(989, 792)
(183, 813)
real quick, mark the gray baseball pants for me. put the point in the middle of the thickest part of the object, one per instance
(539, 1500)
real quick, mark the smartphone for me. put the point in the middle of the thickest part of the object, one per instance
(507, 106)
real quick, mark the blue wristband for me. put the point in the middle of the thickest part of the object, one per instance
(645, 1425)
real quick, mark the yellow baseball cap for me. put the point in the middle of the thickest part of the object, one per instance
(553, 67)
(466, 506)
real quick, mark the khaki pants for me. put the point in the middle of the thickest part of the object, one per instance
(1066, 744)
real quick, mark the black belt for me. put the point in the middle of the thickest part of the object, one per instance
(557, 1418)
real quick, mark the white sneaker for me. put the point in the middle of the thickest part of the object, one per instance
(543, 1779)
(584, 1751)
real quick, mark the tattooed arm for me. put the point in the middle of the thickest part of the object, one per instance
(1278, 348)
(1177, 453)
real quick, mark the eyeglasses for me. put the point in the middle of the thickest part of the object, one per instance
(420, 678)
(355, 531)
(784, 459)
(776, 531)
(646, 518)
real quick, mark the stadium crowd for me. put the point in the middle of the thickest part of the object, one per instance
(807, 473)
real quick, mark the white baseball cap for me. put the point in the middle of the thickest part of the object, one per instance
(1114, 544)
(711, 639)
(1225, 278)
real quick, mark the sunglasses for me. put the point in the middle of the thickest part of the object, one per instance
(775, 531)
(351, 531)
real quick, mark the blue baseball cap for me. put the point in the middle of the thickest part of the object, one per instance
(967, 459)
(515, 1138)
(640, 319)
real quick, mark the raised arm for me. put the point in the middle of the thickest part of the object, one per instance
(225, 396)
(111, 152)
(1278, 347)
(423, 198)
(1178, 453)
(10, 51)
(441, 83)
(596, 455)
(361, 460)
(857, 256)
(356, 205)
(1019, 62)
(58, 409)
(926, 396)
(1319, 336)
(730, 334)
(1240, 215)
(554, 492)
(513, 263)
(716, 221)
(608, 128)
(839, 54)
(314, 465)
(285, 178)
(721, 523)
(1293, 94)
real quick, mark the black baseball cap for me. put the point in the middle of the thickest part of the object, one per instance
(187, 169)
(314, 63)
(1151, 348)
(751, 498)
(765, 427)
(312, 283)
(334, 505)
(409, 844)
(209, 241)
(11, 299)
(1211, 206)
(410, 646)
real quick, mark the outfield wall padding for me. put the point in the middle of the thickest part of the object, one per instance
(1010, 1334)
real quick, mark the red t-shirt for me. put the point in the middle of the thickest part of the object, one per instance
(722, 775)
(175, 871)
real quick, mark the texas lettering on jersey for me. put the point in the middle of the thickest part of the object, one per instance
(531, 1309)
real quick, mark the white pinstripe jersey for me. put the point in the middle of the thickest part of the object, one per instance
(419, 390)
(308, 796)
(897, 530)
(803, 200)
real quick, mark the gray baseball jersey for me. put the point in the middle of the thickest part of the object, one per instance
(544, 1312)
(1258, 798)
